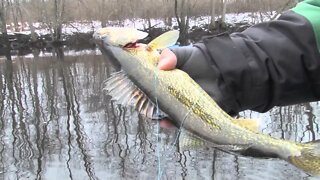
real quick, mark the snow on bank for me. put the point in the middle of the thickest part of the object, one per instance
(90, 26)
(51, 54)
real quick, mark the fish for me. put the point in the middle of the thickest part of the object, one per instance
(157, 93)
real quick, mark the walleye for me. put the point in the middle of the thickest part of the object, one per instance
(140, 83)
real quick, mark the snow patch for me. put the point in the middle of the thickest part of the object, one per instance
(138, 23)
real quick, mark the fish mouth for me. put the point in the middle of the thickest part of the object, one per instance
(119, 37)
(105, 47)
(101, 39)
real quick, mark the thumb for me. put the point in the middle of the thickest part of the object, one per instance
(168, 60)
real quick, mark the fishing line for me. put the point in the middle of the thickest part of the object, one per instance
(180, 128)
(158, 138)
(179, 131)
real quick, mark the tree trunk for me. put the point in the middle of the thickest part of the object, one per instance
(30, 23)
(149, 23)
(213, 14)
(183, 20)
(32, 30)
(3, 29)
(59, 13)
(101, 14)
(168, 21)
(221, 22)
(224, 9)
(57, 33)
(14, 15)
(58, 52)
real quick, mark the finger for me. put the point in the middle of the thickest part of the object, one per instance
(165, 123)
(168, 60)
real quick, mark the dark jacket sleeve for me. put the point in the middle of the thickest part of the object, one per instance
(270, 64)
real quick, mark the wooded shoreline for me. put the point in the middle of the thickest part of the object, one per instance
(22, 44)
(53, 15)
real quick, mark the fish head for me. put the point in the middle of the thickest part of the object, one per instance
(112, 40)
(119, 36)
(118, 42)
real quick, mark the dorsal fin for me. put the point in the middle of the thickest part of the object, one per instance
(126, 93)
(164, 40)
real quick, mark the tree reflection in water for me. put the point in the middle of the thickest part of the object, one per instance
(56, 122)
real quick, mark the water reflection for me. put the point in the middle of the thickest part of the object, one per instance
(56, 123)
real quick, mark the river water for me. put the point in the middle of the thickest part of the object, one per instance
(57, 123)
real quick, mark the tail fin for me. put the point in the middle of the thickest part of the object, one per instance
(309, 159)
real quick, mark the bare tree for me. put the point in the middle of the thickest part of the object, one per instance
(3, 28)
(224, 10)
(182, 9)
(59, 10)
(26, 9)
(213, 13)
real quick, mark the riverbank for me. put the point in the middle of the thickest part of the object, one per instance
(78, 35)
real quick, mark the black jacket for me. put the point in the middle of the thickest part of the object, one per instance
(270, 64)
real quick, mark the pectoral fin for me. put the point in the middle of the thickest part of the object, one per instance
(126, 93)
